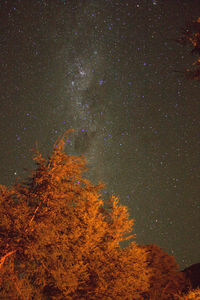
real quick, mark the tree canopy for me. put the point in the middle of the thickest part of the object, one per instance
(60, 240)
(57, 239)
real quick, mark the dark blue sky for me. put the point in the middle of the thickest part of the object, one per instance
(106, 69)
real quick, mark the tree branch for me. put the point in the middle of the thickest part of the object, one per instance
(2, 260)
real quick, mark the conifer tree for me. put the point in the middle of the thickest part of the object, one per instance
(60, 240)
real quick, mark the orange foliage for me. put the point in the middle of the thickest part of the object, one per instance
(165, 280)
(58, 240)
(191, 295)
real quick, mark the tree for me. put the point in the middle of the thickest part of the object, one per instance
(60, 240)
(191, 35)
(166, 282)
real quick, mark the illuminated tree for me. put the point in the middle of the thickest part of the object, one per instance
(60, 240)
(191, 36)
(165, 280)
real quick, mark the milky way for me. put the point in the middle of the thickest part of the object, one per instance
(106, 69)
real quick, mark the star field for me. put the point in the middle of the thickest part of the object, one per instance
(106, 69)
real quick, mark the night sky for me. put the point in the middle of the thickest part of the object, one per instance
(106, 69)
